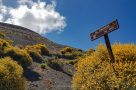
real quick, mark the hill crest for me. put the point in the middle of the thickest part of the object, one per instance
(23, 36)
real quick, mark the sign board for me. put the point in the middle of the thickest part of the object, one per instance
(105, 30)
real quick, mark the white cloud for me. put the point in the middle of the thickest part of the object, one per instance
(37, 16)
(25, 1)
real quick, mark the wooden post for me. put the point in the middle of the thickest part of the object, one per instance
(110, 53)
(109, 48)
(104, 32)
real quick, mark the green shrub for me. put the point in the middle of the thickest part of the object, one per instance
(95, 71)
(77, 54)
(11, 75)
(55, 64)
(43, 65)
(70, 53)
(21, 56)
(73, 55)
(69, 70)
(80, 50)
(68, 56)
(72, 62)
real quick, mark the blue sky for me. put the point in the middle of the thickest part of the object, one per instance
(86, 16)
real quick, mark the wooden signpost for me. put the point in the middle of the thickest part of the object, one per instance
(104, 31)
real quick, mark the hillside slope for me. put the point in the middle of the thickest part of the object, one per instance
(59, 67)
(24, 36)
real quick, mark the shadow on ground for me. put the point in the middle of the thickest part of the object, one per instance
(31, 75)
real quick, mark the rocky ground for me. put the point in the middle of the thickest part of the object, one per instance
(48, 78)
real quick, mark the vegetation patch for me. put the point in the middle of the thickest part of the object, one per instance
(11, 75)
(2, 34)
(70, 53)
(66, 50)
(21, 56)
(42, 49)
(95, 71)
(43, 65)
(55, 64)
(36, 51)
(72, 62)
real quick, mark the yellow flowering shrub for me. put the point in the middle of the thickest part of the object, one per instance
(11, 75)
(3, 44)
(89, 52)
(95, 71)
(43, 50)
(21, 56)
(40, 49)
(66, 50)
(36, 51)
(2, 34)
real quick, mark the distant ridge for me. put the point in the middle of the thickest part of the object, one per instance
(23, 36)
(17, 28)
